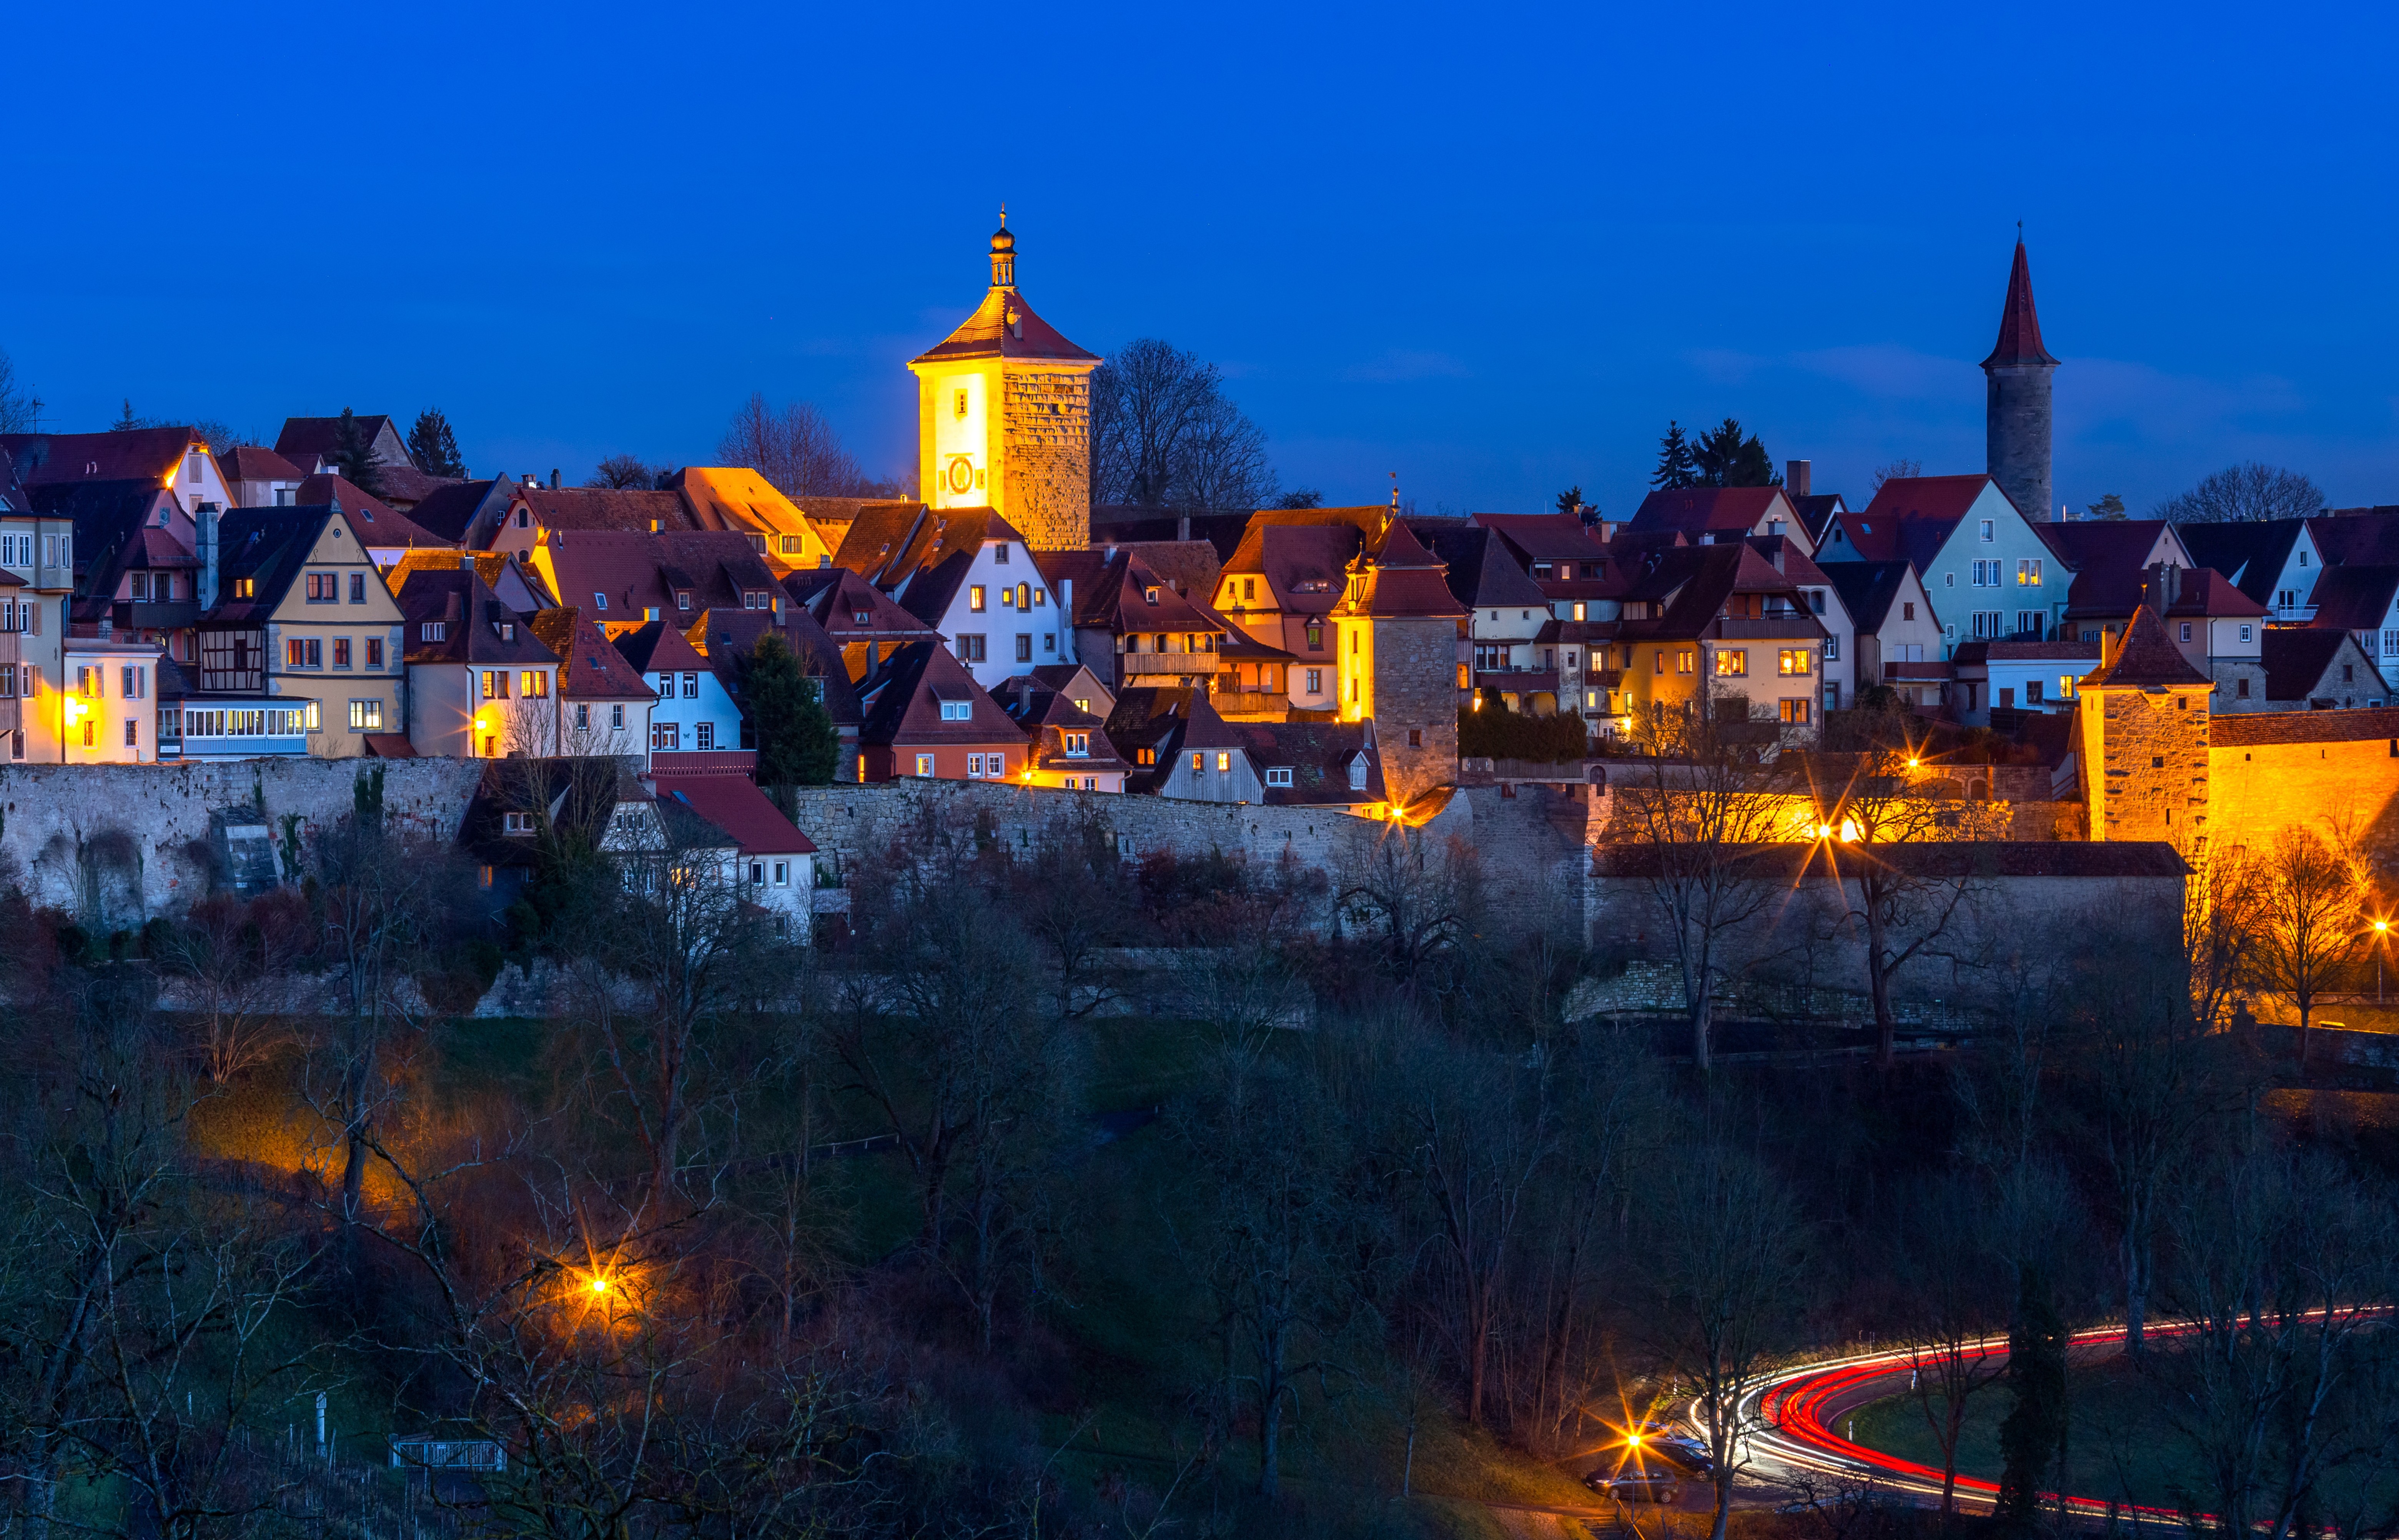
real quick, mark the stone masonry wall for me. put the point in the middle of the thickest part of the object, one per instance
(2152, 780)
(1416, 691)
(56, 818)
(2017, 425)
(1046, 425)
(2351, 787)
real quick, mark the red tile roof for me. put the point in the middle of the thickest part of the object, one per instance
(589, 666)
(1695, 511)
(320, 437)
(253, 463)
(852, 609)
(378, 523)
(1004, 327)
(2354, 598)
(2243, 729)
(1402, 581)
(1545, 536)
(2145, 660)
(903, 702)
(656, 647)
(641, 570)
(734, 804)
(631, 511)
(472, 622)
(137, 454)
(2019, 327)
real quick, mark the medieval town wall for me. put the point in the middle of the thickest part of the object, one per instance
(2347, 789)
(2150, 780)
(123, 843)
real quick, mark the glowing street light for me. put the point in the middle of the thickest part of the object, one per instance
(2381, 934)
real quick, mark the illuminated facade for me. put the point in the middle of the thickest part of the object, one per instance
(1004, 416)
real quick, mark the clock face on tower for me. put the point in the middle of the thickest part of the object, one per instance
(960, 474)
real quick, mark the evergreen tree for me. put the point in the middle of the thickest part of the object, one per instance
(354, 455)
(2110, 507)
(1675, 463)
(797, 744)
(1570, 499)
(2032, 1440)
(433, 447)
(1723, 457)
(126, 422)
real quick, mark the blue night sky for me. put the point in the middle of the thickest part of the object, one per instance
(1492, 251)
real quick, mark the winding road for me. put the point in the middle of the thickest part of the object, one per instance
(1793, 1416)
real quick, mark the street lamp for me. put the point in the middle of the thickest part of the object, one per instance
(2381, 934)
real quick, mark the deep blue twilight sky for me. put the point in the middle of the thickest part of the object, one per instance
(1494, 250)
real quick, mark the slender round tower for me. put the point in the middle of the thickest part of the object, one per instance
(2016, 404)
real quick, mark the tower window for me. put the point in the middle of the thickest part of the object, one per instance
(961, 405)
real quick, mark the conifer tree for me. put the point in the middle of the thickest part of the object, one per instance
(433, 447)
(2032, 1440)
(354, 455)
(1675, 463)
(1570, 499)
(797, 743)
(1722, 456)
(126, 422)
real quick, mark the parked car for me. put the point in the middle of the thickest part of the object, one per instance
(1636, 1479)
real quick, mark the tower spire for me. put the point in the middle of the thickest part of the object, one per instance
(1003, 254)
(2017, 411)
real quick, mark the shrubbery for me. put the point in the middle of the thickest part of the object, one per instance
(1495, 732)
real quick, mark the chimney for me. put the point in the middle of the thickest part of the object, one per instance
(466, 561)
(2163, 588)
(206, 523)
(1183, 528)
(553, 478)
(1796, 474)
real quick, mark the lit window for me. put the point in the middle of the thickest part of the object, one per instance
(2028, 573)
(974, 598)
(1686, 661)
(1224, 763)
(1732, 662)
(923, 765)
(1794, 712)
(535, 686)
(1791, 660)
(366, 716)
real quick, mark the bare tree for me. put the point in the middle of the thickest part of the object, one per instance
(1730, 1251)
(2220, 923)
(2248, 490)
(626, 471)
(1905, 903)
(21, 410)
(2282, 1273)
(1418, 895)
(796, 449)
(230, 952)
(1702, 820)
(2311, 914)
(1955, 1279)
(1901, 470)
(1164, 434)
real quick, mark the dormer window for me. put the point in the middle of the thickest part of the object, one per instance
(434, 631)
(518, 823)
(245, 588)
(1078, 744)
(1150, 594)
(1541, 570)
(1278, 774)
(1358, 773)
(507, 631)
(599, 600)
(862, 616)
(682, 599)
(753, 599)
(958, 710)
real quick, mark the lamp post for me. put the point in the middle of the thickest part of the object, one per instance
(2381, 934)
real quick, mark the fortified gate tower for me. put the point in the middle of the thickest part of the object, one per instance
(1004, 416)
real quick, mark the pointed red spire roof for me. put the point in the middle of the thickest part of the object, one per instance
(2019, 325)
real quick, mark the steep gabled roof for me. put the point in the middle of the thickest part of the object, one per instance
(593, 509)
(2145, 660)
(728, 638)
(1911, 517)
(640, 572)
(1545, 536)
(2115, 589)
(2019, 326)
(269, 547)
(1319, 755)
(152, 454)
(731, 803)
(2355, 598)
(253, 463)
(1484, 573)
(2297, 658)
(1704, 510)
(589, 667)
(838, 606)
(2250, 553)
(478, 628)
(377, 521)
(1400, 580)
(2115, 543)
(2356, 539)
(320, 437)
(449, 510)
(877, 537)
(655, 647)
(1815, 511)
(903, 702)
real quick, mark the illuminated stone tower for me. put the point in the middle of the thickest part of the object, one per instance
(2016, 421)
(2141, 731)
(1004, 415)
